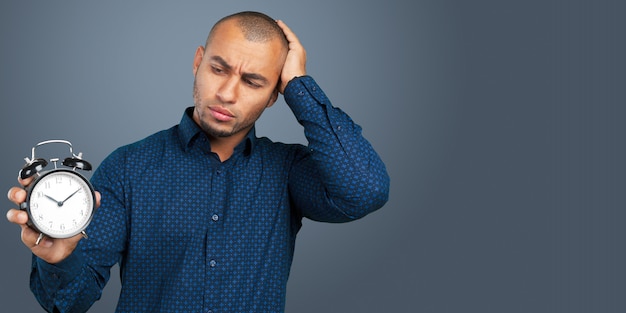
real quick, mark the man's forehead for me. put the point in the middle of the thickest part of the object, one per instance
(230, 47)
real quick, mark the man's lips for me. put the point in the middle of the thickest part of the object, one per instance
(221, 114)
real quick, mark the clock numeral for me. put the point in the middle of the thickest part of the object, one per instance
(34, 205)
(46, 184)
(59, 180)
(40, 217)
(62, 227)
(50, 223)
(74, 222)
(40, 194)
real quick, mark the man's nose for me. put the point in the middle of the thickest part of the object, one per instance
(227, 93)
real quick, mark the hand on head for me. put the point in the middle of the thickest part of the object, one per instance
(295, 63)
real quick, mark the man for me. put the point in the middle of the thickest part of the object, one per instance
(203, 217)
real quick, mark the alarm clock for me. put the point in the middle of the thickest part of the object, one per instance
(60, 202)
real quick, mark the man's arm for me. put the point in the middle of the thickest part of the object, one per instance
(339, 177)
(64, 277)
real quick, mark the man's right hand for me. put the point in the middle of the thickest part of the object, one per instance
(50, 250)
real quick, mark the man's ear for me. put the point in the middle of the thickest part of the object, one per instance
(273, 97)
(197, 59)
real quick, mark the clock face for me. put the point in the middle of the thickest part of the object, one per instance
(61, 203)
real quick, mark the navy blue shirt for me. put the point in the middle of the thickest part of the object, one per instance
(194, 234)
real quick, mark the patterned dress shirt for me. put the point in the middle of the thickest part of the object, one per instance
(194, 234)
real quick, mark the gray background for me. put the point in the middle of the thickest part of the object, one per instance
(501, 123)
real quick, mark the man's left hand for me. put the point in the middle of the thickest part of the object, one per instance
(295, 64)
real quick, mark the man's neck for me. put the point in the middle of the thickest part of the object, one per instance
(225, 146)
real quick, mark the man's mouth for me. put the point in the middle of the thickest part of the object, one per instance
(221, 114)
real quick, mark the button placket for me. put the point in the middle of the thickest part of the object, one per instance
(215, 217)
(214, 246)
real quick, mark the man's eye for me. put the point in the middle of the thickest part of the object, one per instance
(217, 70)
(251, 83)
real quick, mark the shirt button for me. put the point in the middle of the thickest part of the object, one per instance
(212, 263)
(215, 217)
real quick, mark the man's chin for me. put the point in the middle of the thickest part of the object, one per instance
(217, 133)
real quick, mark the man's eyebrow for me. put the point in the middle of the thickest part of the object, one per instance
(256, 77)
(250, 76)
(221, 61)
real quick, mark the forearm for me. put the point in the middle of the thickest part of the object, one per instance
(69, 286)
(354, 178)
(75, 283)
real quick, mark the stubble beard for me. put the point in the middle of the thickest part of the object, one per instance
(199, 111)
(211, 131)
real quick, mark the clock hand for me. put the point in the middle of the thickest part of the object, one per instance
(68, 197)
(59, 203)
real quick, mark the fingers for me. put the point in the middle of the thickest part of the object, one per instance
(33, 240)
(291, 36)
(52, 250)
(26, 181)
(98, 198)
(17, 217)
(49, 249)
(295, 63)
(295, 47)
(29, 236)
(17, 195)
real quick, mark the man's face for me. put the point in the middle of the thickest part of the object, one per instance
(235, 80)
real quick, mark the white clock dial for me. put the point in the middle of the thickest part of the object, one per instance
(61, 203)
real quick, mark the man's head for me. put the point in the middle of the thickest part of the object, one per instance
(237, 73)
(256, 27)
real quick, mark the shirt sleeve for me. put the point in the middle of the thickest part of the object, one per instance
(338, 177)
(74, 284)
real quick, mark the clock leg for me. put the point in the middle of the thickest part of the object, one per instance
(39, 239)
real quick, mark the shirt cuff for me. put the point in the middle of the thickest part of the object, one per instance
(60, 274)
(303, 95)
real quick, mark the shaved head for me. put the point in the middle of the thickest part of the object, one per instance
(255, 26)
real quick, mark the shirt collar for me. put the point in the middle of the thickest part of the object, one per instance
(189, 134)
